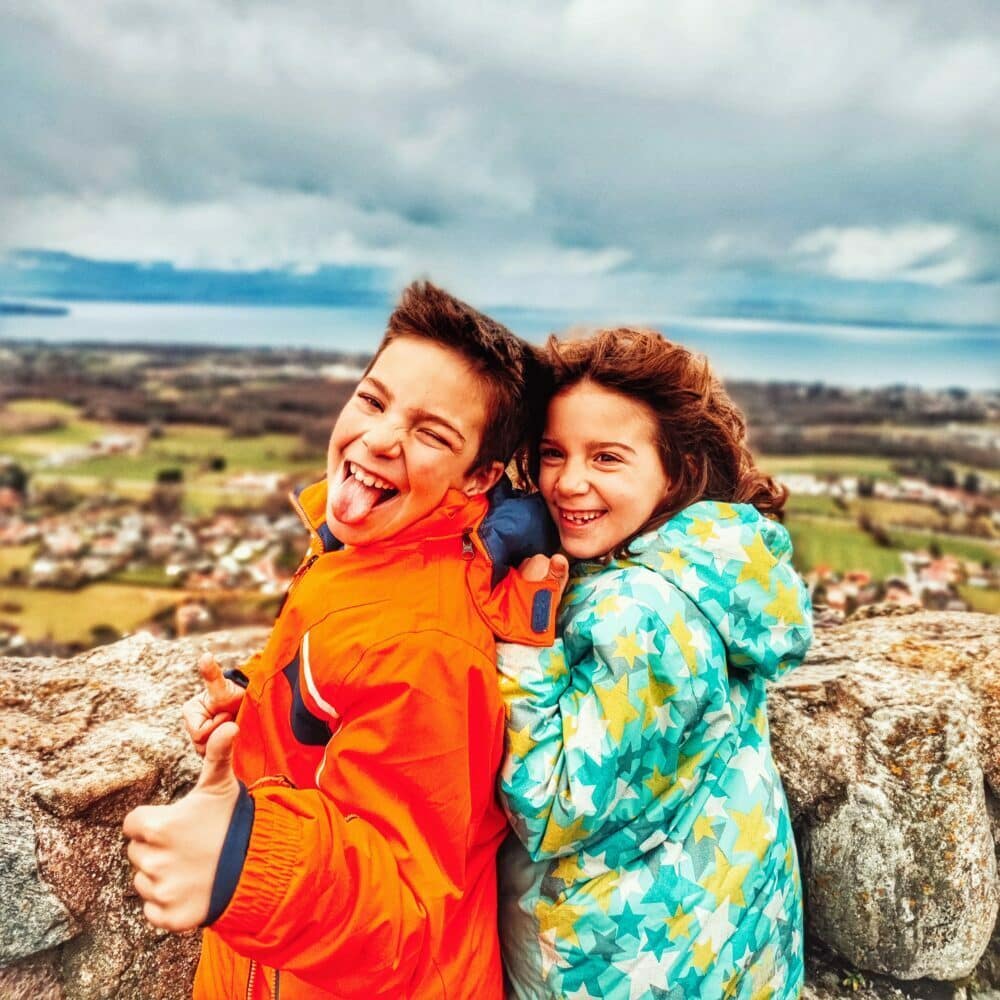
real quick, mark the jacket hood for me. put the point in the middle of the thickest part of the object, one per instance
(735, 565)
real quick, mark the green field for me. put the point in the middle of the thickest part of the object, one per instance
(70, 615)
(839, 546)
(963, 548)
(822, 465)
(15, 557)
(978, 599)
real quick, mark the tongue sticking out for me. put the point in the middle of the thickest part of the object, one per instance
(351, 501)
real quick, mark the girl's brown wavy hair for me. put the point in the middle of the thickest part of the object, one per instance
(701, 432)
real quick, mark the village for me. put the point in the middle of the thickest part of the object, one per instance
(206, 565)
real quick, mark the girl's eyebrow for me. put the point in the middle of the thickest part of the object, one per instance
(592, 445)
(381, 386)
(601, 445)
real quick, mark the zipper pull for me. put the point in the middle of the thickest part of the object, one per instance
(468, 549)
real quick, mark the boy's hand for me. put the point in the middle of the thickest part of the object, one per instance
(539, 568)
(209, 709)
(175, 849)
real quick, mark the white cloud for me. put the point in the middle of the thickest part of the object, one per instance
(923, 253)
(537, 154)
(248, 231)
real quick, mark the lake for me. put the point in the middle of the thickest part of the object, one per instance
(842, 354)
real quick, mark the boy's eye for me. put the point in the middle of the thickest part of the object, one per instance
(606, 458)
(433, 436)
(549, 453)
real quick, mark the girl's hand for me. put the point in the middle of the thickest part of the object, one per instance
(175, 849)
(209, 709)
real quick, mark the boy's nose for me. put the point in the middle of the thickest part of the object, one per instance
(383, 440)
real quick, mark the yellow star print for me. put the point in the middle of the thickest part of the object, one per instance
(702, 829)
(755, 832)
(785, 605)
(760, 565)
(679, 924)
(654, 695)
(657, 782)
(704, 955)
(687, 766)
(607, 605)
(703, 528)
(557, 835)
(560, 918)
(673, 561)
(567, 870)
(682, 636)
(618, 709)
(627, 648)
(556, 666)
(726, 882)
(520, 741)
(731, 986)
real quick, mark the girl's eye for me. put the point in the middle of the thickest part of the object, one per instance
(548, 454)
(606, 458)
(371, 401)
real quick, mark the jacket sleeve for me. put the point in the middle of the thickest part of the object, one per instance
(596, 723)
(345, 884)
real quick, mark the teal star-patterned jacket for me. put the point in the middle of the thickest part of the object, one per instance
(653, 855)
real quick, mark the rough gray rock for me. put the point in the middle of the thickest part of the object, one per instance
(887, 740)
(82, 741)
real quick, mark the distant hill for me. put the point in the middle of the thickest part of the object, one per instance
(30, 309)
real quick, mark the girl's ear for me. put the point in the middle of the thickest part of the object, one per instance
(483, 479)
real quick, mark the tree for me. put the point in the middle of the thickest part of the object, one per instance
(13, 477)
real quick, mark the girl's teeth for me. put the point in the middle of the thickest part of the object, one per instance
(581, 518)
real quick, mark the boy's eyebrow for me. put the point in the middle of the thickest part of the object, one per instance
(418, 414)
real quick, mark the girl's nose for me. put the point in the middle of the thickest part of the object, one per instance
(572, 482)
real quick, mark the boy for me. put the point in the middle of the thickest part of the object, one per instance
(345, 845)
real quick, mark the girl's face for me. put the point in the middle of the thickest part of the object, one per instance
(600, 473)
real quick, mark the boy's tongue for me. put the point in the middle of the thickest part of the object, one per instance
(351, 500)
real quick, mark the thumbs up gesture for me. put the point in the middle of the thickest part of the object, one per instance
(175, 848)
(543, 568)
(211, 707)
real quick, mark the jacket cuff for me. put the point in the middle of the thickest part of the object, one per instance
(237, 676)
(269, 863)
(234, 852)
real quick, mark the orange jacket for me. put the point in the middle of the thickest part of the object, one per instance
(370, 737)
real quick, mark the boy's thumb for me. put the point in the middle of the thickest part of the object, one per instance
(217, 768)
(559, 573)
(211, 674)
(558, 568)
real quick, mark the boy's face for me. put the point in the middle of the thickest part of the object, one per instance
(408, 434)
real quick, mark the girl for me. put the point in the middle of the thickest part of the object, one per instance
(654, 854)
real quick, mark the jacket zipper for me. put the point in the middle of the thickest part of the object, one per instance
(251, 978)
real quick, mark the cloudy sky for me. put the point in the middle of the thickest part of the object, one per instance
(833, 159)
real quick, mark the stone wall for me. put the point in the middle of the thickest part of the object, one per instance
(888, 740)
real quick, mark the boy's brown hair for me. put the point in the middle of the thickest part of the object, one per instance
(508, 369)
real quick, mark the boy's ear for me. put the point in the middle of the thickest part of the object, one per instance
(484, 478)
